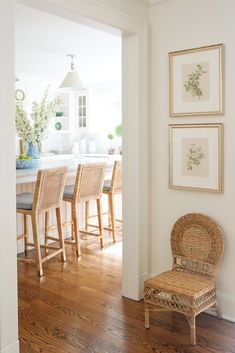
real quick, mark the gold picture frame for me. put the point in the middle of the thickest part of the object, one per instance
(196, 157)
(196, 81)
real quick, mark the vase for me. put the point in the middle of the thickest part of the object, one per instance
(92, 147)
(33, 150)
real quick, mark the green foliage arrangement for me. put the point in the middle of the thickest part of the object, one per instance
(192, 85)
(33, 129)
(118, 130)
(110, 136)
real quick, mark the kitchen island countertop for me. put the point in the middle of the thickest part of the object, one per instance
(69, 160)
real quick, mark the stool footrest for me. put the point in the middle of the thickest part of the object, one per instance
(21, 236)
(90, 233)
(55, 253)
(52, 238)
(50, 247)
(27, 261)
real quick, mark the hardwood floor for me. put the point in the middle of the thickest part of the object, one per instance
(77, 307)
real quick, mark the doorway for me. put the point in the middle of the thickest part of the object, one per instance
(135, 140)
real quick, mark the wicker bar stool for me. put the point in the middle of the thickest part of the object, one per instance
(111, 188)
(190, 287)
(48, 195)
(88, 187)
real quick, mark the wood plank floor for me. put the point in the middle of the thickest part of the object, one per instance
(77, 307)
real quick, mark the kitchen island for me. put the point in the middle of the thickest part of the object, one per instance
(26, 178)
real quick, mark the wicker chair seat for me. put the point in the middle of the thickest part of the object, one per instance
(185, 283)
(180, 291)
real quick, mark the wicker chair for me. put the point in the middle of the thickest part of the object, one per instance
(190, 287)
(88, 187)
(48, 195)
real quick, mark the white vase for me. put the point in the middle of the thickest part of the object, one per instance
(92, 147)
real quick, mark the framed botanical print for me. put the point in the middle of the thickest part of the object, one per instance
(196, 81)
(196, 157)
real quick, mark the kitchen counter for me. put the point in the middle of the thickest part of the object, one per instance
(69, 160)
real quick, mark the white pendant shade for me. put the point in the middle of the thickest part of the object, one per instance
(72, 81)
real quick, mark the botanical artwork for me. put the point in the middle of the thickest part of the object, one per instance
(196, 157)
(195, 82)
(195, 153)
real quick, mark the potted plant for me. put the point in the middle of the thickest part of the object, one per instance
(111, 150)
(32, 130)
(118, 132)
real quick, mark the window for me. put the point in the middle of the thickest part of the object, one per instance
(82, 111)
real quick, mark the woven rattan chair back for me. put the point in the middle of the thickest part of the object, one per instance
(197, 244)
(49, 188)
(89, 181)
(116, 181)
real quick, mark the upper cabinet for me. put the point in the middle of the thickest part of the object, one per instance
(72, 112)
(62, 118)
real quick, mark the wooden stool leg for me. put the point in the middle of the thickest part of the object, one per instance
(46, 230)
(26, 234)
(37, 245)
(86, 214)
(100, 221)
(109, 215)
(146, 315)
(76, 228)
(72, 225)
(60, 233)
(112, 214)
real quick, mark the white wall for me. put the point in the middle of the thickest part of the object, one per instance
(8, 297)
(175, 25)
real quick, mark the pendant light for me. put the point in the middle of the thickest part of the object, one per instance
(72, 82)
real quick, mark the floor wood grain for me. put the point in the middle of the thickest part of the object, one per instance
(77, 307)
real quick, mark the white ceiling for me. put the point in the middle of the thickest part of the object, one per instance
(43, 42)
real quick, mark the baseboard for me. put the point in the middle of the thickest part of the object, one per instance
(13, 348)
(135, 289)
(227, 305)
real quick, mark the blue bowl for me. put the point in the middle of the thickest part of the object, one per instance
(26, 163)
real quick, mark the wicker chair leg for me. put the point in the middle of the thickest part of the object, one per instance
(192, 323)
(146, 315)
(46, 231)
(76, 229)
(37, 246)
(26, 234)
(60, 233)
(218, 311)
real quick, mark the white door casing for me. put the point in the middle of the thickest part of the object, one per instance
(135, 78)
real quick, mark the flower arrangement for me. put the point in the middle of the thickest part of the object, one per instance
(33, 129)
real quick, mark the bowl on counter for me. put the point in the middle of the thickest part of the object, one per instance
(26, 163)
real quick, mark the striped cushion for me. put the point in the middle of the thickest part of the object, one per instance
(107, 184)
(24, 201)
(68, 191)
